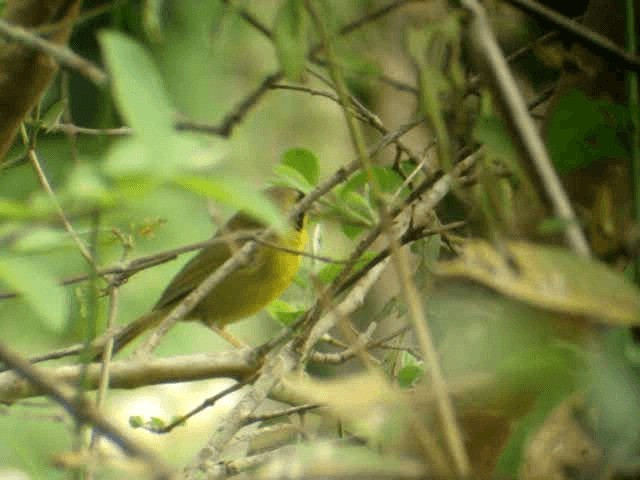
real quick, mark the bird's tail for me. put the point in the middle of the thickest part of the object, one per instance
(130, 332)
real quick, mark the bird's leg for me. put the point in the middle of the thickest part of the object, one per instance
(227, 336)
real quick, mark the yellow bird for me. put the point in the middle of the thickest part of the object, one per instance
(245, 291)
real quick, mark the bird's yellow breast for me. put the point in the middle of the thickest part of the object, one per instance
(250, 288)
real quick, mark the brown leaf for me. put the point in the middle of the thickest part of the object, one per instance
(562, 449)
(551, 278)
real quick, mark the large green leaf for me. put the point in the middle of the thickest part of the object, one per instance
(582, 130)
(38, 288)
(137, 86)
(237, 194)
(290, 38)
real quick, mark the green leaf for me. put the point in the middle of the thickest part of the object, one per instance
(491, 131)
(355, 206)
(284, 312)
(38, 288)
(235, 193)
(290, 38)
(582, 130)
(552, 226)
(137, 86)
(305, 162)
(136, 421)
(85, 184)
(614, 397)
(52, 116)
(42, 239)
(292, 178)
(156, 423)
(128, 157)
(132, 157)
(351, 231)
(409, 375)
(387, 178)
(12, 209)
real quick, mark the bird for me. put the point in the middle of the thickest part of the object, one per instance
(245, 291)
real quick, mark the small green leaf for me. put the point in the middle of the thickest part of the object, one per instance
(136, 421)
(290, 38)
(284, 312)
(235, 193)
(552, 226)
(387, 178)
(305, 162)
(356, 206)
(38, 288)
(156, 423)
(409, 375)
(351, 231)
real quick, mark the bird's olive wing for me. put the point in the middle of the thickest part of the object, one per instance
(193, 273)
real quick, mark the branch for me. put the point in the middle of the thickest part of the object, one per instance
(130, 374)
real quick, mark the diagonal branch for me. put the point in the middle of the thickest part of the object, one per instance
(509, 97)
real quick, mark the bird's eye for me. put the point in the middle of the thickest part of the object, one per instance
(299, 222)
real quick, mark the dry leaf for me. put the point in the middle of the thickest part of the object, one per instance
(562, 449)
(551, 278)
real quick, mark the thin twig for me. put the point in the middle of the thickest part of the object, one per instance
(33, 157)
(125, 270)
(225, 128)
(361, 344)
(107, 354)
(233, 118)
(297, 410)
(72, 129)
(250, 19)
(208, 403)
(375, 15)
